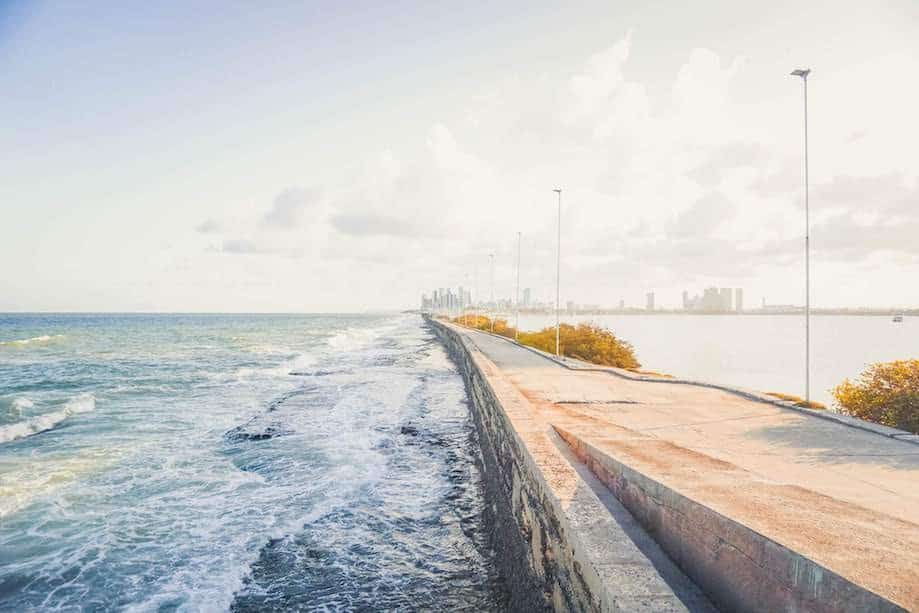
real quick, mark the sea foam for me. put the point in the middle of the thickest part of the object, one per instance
(35, 339)
(40, 423)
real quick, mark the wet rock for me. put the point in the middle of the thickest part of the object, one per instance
(243, 433)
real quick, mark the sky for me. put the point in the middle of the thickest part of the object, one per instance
(348, 156)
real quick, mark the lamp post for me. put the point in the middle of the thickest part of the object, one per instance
(491, 258)
(517, 296)
(558, 269)
(463, 304)
(803, 73)
(474, 297)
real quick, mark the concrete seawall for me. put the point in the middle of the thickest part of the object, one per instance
(615, 498)
(740, 568)
(566, 544)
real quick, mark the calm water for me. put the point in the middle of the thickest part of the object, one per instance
(236, 462)
(761, 352)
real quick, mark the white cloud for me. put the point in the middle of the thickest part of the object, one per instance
(208, 226)
(593, 87)
(289, 206)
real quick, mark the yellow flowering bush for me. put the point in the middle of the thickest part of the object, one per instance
(886, 393)
(587, 342)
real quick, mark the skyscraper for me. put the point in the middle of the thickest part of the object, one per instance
(725, 299)
(650, 297)
(738, 299)
(527, 296)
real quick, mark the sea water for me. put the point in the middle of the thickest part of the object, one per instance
(237, 462)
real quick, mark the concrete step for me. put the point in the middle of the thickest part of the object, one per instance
(750, 543)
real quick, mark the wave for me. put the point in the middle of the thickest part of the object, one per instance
(40, 423)
(35, 339)
(16, 407)
(353, 338)
(299, 363)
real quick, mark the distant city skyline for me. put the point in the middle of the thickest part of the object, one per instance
(712, 300)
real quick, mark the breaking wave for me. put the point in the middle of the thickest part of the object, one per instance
(18, 405)
(41, 423)
(35, 339)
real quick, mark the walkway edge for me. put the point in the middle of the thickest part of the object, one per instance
(740, 568)
(851, 422)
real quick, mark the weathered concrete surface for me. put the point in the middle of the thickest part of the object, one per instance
(584, 549)
(769, 509)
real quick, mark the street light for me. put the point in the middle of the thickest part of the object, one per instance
(491, 257)
(475, 284)
(558, 268)
(517, 295)
(803, 72)
(463, 303)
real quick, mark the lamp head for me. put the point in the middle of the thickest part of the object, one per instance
(801, 72)
(557, 190)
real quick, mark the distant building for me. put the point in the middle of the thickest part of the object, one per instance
(622, 305)
(711, 300)
(527, 297)
(714, 300)
(650, 298)
(571, 306)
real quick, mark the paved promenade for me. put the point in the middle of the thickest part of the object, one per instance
(843, 497)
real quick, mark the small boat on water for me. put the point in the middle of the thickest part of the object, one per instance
(897, 318)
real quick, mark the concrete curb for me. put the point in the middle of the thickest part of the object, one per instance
(744, 570)
(851, 422)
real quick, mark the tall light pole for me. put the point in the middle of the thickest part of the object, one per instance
(558, 270)
(475, 284)
(491, 257)
(517, 295)
(463, 301)
(803, 72)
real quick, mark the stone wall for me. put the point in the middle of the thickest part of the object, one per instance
(563, 542)
(530, 536)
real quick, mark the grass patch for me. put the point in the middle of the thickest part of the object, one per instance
(797, 401)
(650, 373)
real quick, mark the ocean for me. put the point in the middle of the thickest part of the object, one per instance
(237, 462)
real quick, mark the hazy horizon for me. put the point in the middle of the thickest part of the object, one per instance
(310, 158)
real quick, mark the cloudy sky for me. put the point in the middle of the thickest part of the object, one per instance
(299, 156)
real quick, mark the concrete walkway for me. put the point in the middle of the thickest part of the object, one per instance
(845, 498)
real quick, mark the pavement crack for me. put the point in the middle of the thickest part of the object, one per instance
(597, 402)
